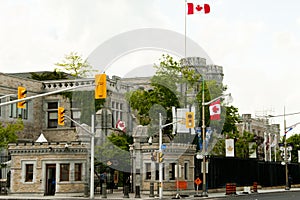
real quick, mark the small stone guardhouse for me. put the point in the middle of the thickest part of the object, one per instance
(42, 168)
(178, 164)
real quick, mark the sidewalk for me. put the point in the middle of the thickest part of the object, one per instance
(119, 195)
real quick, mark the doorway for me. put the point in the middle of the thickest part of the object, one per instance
(50, 179)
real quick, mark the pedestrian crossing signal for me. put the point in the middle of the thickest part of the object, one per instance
(154, 156)
(160, 157)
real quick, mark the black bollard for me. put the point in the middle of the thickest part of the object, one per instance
(126, 191)
(104, 195)
(86, 190)
(137, 192)
(151, 190)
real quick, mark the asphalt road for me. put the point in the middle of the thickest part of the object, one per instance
(290, 195)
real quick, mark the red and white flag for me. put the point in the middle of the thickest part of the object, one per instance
(121, 125)
(215, 110)
(192, 9)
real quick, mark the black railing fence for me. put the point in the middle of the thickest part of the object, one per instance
(244, 172)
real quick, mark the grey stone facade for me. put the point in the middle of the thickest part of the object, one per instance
(261, 128)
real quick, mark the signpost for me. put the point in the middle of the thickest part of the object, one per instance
(198, 182)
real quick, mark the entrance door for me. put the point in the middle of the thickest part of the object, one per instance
(50, 179)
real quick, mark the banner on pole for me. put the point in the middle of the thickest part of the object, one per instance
(229, 145)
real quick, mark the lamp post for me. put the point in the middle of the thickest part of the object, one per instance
(286, 149)
(204, 189)
(285, 155)
(131, 148)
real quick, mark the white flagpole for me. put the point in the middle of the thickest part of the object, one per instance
(270, 147)
(265, 145)
(275, 146)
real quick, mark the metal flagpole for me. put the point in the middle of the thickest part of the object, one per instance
(204, 192)
(270, 147)
(160, 163)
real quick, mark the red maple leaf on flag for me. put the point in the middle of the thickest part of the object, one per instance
(215, 109)
(191, 8)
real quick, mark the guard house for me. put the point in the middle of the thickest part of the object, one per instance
(57, 168)
(178, 164)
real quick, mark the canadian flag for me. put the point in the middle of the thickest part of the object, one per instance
(121, 125)
(191, 8)
(215, 110)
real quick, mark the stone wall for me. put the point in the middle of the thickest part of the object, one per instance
(36, 123)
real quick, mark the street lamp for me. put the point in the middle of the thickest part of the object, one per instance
(229, 100)
(286, 147)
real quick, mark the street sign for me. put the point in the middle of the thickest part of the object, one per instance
(163, 146)
(198, 181)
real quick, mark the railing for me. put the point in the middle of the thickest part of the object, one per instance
(112, 84)
(60, 84)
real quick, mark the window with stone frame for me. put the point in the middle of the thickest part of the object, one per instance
(15, 112)
(75, 112)
(148, 171)
(117, 111)
(78, 172)
(64, 172)
(186, 170)
(28, 172)
(52, 114)
(172, 171)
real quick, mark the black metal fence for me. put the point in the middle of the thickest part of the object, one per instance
(244, 172)
(4, 174)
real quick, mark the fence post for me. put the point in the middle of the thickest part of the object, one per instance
(151, 189)
(104, 195)
(126, 191)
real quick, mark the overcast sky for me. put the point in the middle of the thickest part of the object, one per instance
(257, 42)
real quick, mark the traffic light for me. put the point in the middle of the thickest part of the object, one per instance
(160, 157)
(154, 156)
(21, 95)
(190, 119)
(100, 86)
(61, 116)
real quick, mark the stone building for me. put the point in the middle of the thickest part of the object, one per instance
(267, 135)
(178, 163)
(34, 163)
(48, 168)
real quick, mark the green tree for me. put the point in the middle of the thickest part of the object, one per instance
(229, 130)
(75, 66)
(8, 132)
(114, 151)
(294, 140)
(163, 93)
(55, 75)
(241, 144)
(170, 76)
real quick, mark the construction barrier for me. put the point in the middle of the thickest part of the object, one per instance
(230, 188)
(254, 188)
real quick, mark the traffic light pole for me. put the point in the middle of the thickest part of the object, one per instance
(42, 95)
(92, 134)
(160, 166)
